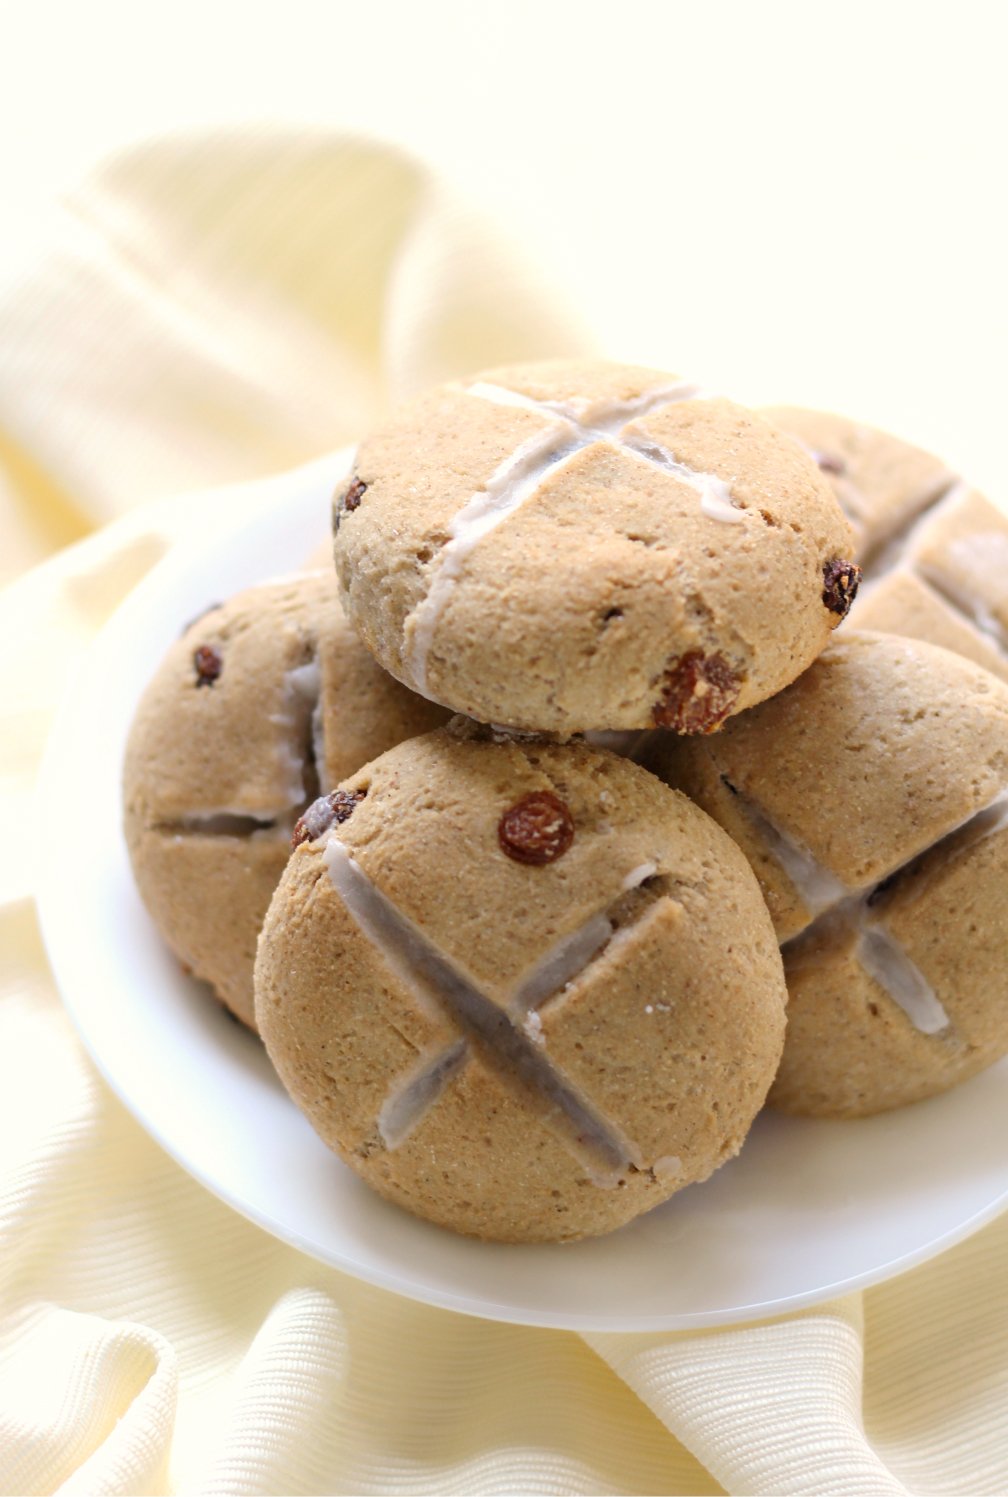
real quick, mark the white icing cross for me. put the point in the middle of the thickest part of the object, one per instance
(878, 951)
(819, 888)
(889, 547)
(858, 507)
(886, 962)
(576, 424)
(985, 552)
(511, 1036)
(304, 749)
(301, 757)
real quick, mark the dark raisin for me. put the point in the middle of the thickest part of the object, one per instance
(841, 580)
(347, 502)
(207, 664)
(698, 692)
(327, 811)
(828, 462)
(353, 496)
(537, 829)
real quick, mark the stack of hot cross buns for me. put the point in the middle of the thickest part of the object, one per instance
(556, 831)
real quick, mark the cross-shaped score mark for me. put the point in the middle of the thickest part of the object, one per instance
(980, 549)
(969, 571)
(966, 572)
(301, 756)
(574, 426)
(506, 1037)
(887, 549)
(830, 902)
(885, 541)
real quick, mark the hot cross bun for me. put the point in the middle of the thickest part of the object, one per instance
(521, 987)
(881, 482)
(263, 702)
(571, 545)
(871, 798)
(934, 550)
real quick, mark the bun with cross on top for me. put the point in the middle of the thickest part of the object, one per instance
(586, 545)
(265, 700)
(523, 988)
(871, 798)
(934, 550)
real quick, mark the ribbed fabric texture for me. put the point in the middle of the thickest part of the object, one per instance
(224, 306)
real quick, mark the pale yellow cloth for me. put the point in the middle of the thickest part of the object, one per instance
(203, 310)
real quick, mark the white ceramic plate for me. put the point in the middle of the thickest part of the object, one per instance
(809, 1210)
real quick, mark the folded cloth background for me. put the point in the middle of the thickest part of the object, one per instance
(220, 306)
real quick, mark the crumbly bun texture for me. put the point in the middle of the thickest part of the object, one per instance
(934, 550)
(263, 702)
(881, 482)
(583, 545)
(521, 987)
(871, 799)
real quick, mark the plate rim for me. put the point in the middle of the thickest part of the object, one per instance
(244, 499)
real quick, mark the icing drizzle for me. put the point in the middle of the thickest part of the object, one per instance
(877, 949)
(509, 1037)
(575, 424)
